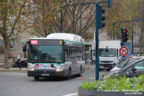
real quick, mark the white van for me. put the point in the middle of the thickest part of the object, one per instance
(109, 54)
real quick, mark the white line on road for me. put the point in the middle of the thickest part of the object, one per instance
(73, 94)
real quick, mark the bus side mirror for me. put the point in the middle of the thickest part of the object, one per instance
(25, 47)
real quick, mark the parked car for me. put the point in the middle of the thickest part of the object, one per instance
(124, 63)
(134, 69)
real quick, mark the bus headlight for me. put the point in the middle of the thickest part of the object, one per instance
(59, 68)
(30, 68)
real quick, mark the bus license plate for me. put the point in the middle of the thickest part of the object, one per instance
(45, 74)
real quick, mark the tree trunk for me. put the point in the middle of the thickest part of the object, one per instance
(5, 35)
(6, 52)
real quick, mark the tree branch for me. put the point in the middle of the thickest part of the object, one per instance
(17, 18)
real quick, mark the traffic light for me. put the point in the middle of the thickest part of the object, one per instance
(124, 35)
(100, 17)
(109, 3)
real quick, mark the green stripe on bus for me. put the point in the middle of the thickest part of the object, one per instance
(75, 42)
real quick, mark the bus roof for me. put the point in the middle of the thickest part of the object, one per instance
(65, 36)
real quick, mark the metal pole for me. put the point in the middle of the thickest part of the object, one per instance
(132, 30)
(97, 43)
(122, 36)
(61, 21)
(132, 40)
(81, 19)
(122, 43)
(113, 32)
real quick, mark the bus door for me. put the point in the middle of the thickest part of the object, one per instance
(73, 59)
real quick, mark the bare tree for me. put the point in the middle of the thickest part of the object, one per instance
(141, 39)
(9, 17)
(44, 15)
(77, 19)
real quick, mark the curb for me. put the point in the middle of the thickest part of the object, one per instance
(13, 70)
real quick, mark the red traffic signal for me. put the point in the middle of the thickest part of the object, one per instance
(124, 30)
(125, 35)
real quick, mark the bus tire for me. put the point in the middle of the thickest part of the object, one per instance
(69, 74)
(81, 70)
(36, 78)
(100, 69)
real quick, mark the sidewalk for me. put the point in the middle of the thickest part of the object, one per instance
(13, 70)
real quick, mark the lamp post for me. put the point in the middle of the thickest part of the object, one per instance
(113, 31)
(61, 21)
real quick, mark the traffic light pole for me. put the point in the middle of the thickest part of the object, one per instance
(122, 41)
(97, 42)
(121, 36)
(124, 38)
(99, 24)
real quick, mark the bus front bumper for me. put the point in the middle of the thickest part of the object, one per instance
(46, 73)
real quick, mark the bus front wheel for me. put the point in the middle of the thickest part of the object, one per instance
(36, 78)
(81, 70)
(69, 75)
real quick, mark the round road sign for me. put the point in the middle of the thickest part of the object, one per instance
(123, 51)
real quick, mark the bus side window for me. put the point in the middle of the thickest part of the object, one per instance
(81, 56)
(71, 51)
(66, 55)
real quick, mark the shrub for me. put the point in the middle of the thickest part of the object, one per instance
(120, 84)
(88, 85)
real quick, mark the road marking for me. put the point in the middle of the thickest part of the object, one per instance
(73, 94)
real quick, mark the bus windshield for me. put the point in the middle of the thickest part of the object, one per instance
(110, 52)
(45, 53)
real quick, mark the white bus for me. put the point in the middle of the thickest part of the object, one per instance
(59, 54)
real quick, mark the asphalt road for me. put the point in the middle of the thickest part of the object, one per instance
(18, 84)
